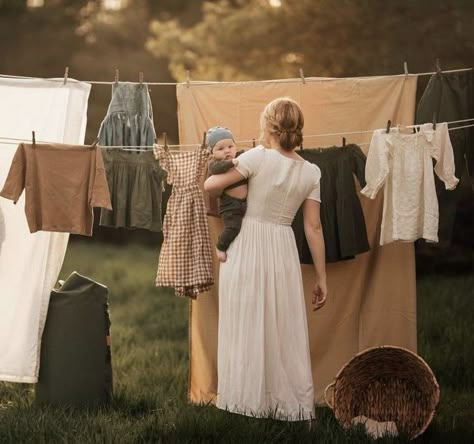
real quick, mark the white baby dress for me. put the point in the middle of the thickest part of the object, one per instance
(403, 162)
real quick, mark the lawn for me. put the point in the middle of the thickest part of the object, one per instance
(150, 365)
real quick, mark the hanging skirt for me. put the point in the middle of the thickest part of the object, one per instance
(135, 183)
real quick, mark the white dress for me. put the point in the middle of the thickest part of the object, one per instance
(404, 164)
(264, 365)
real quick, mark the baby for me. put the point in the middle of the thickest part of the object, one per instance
(233, 201)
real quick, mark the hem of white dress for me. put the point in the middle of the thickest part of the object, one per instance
(302, 415)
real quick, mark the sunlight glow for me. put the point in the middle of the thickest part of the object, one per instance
(35, 3)
(275, 3)
(114, 4)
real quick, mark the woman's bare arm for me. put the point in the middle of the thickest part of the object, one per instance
(214, 185)
(314, 235)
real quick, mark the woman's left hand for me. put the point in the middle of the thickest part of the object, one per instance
(320, 293)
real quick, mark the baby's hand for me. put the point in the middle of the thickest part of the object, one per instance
(235, 162)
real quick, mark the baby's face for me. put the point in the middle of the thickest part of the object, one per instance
(224, 149)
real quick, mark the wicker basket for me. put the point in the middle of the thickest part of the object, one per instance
(386, 384)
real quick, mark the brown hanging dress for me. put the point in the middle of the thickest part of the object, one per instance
(185, 261)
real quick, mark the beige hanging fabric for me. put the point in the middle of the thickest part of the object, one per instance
(372, 298)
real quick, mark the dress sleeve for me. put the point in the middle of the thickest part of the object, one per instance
(16, 178)
(100, 196)
(250, 161)
(315, 193)
(376, 167)
(442, 152)
(358, 164)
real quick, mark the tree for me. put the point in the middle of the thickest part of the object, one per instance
(255, 40)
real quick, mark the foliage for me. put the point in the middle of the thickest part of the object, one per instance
(252, 40)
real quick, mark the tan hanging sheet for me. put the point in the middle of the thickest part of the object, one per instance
(372, 299)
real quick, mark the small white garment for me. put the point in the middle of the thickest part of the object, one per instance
(30, 263)
(375, 428)
(403, 162)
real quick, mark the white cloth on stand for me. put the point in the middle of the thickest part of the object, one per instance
(30, 263)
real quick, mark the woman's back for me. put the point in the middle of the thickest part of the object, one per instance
(278, 185)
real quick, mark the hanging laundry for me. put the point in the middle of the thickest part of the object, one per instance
(450, 96)
(30, 263)
(135, 182)
(129, 119)
(342, 219)
(402, 163)
(135, 178)
(62, 183)
(185, 261)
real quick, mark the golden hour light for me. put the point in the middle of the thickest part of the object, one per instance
(236, 221)
(35, 3)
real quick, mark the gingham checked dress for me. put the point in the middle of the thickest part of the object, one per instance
(185, 261)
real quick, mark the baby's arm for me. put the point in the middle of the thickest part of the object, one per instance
(220, 166)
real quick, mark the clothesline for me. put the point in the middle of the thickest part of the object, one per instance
(14, 140)
(210, 82)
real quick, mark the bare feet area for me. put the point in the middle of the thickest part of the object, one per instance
(221, 255)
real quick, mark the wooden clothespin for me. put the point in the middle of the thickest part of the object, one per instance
(434, 121)
(405, 68)
(389, 124)
(343, 141)
(66, 74)
(188, 77)
(438, 67)
(165, 142)
(116, 77)
(253, 143)
(33, 138)
(140, 78)
(302, 76)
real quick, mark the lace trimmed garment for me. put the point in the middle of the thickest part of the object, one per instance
(403, 162)
(185, 261)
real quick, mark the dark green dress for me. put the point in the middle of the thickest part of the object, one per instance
(342, 219)
(135, 178)
(135, 183)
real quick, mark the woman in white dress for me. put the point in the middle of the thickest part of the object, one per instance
(264, 365)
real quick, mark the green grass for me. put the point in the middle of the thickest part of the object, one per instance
(150, 365)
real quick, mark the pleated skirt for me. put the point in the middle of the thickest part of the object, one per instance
(264, 365)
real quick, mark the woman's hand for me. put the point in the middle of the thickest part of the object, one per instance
(320, 293)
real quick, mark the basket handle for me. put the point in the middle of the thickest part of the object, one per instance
(326, 395)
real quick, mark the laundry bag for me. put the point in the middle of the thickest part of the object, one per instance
(75, 361)
(389, 385)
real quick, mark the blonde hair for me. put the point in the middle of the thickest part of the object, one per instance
(284, 119)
